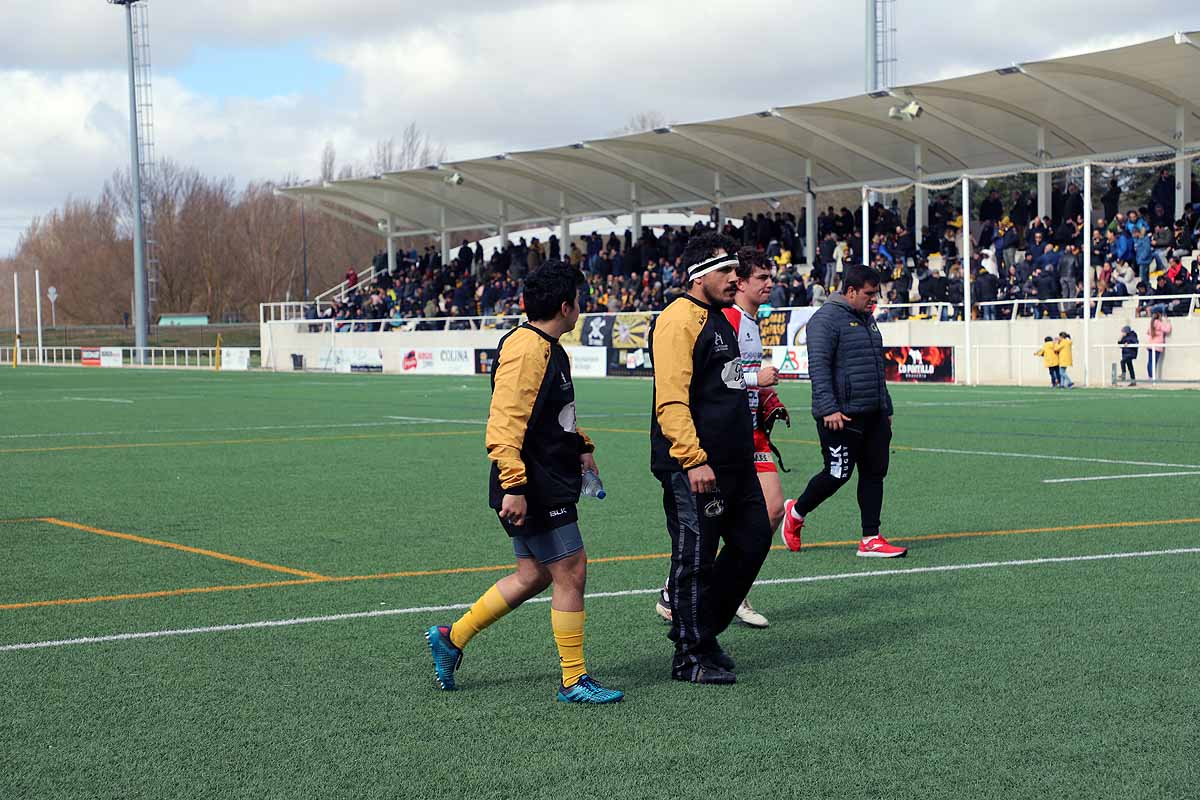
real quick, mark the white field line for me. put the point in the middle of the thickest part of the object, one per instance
(1119, 477)
(1000, 403)
(1079, 459)
(432, 420)
(283, 623)
(97, 399)
(244, 429)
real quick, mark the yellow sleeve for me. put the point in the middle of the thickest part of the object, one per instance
(588, 445)
(674, 341)
(519, 375)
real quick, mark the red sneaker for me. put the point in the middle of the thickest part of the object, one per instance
(878, 547)
(791, 527)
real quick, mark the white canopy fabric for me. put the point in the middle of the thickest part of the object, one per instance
(1139, 100)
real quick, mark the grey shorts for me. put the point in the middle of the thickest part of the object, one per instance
(553, 545)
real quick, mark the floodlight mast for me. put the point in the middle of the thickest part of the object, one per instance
(140, 309)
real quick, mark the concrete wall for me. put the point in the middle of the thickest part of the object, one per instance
(1003, 349)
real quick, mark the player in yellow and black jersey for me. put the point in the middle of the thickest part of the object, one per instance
(702, 451)
(538, 455)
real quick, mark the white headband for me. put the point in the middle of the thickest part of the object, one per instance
(704, 267)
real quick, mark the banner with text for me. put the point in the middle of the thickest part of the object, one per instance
(919, 364)
(792, 362)
(588, 362)
(634, 362)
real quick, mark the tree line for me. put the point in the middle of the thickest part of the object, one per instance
(220, 249)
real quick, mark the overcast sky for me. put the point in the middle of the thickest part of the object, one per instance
(254, 89)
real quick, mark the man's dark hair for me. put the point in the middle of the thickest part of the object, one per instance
(705, 245)
(750, 259)
(551, 285)
(857, 276)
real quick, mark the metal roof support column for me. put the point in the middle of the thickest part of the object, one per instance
(717, 197)
(866, 229)
(920, 195)
(391, 245)
(810, 217)
(966, 260)
(444, 237)
(1043, 178)
(637, 212)
(1183, 166)
(564, 227)
(1087, 273)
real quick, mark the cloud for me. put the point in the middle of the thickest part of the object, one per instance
(480, 76)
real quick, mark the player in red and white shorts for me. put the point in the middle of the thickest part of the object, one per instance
(753, 288)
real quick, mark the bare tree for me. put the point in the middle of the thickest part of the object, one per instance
(643, 121)
(328, 161)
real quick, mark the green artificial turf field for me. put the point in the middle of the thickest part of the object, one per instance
(996, 661)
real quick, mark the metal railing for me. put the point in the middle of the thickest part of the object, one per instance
(1073, 305)
(171, 357)
(407, 325)
(935, 311)
(344, 288)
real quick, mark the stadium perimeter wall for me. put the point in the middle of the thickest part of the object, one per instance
(1003, 350)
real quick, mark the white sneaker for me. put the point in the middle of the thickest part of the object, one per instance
(749, 617)
(662, 606)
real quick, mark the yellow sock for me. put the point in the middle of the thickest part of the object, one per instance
(568, 635)
(486, 610)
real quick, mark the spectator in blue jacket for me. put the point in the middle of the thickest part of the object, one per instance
(1143, 253)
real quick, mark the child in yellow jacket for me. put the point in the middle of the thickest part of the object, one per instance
(1062, 345)
(1049, 357)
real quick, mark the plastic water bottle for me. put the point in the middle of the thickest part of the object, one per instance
(592, 485)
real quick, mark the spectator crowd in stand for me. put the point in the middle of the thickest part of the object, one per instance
(1014, 256)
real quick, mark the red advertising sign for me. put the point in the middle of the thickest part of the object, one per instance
(919, 364)
(89, 356)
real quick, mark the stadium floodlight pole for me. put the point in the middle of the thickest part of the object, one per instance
(870, 47)
(140, 310)
(966, 250)
(1087, 272)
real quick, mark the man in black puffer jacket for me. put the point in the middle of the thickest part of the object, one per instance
(852, 408)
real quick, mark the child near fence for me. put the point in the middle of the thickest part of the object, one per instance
(1049, 357)
(1129, 351)
(1062, 346)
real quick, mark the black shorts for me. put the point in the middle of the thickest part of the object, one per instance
(542, 520)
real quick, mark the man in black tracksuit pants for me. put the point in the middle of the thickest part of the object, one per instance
(852, 409)
(702, 451)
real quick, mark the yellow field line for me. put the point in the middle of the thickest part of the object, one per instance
(129, 537)
(210, 442)
(149, 595)
(604, 560)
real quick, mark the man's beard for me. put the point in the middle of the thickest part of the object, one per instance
(718, 302)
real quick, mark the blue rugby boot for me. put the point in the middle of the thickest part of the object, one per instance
(446, 657)
(588, 691)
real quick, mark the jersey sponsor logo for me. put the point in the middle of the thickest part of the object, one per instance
(565, 384)
(731, 374)
(719, 345)
(567, 418)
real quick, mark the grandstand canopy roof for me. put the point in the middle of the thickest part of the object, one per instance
(1137, 100)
